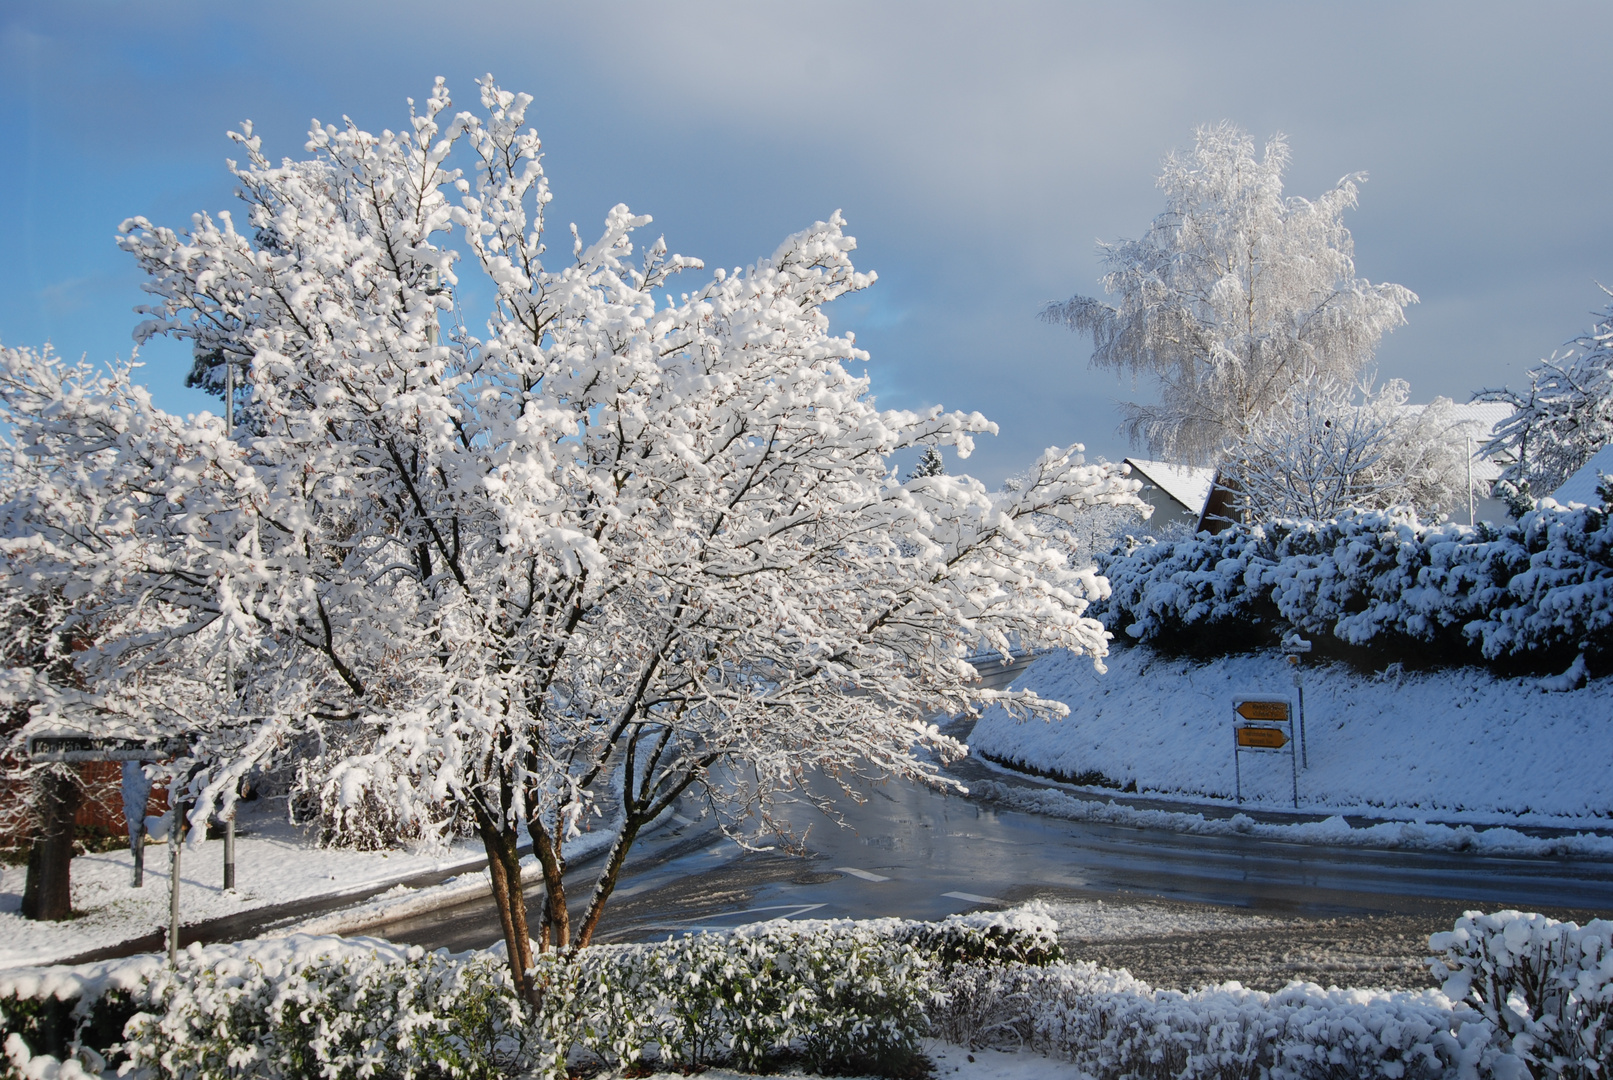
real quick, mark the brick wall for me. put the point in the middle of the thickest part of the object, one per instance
(103, 799)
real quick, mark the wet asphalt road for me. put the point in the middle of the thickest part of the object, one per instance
(917, 853)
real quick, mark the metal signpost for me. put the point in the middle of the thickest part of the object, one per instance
(1296, 646)
(1258, 727)
(229, 664)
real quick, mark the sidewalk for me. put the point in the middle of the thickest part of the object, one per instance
(283, 881)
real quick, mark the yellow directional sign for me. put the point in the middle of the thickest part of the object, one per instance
(1262, 710)
(1264, 738)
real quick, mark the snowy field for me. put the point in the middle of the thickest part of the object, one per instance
(1456, 746)
(276, 863)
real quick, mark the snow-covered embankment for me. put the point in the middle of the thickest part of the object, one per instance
(1455, 745)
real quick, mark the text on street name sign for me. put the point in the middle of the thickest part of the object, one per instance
(1262, 710)
(95, 748)
(1262, 738)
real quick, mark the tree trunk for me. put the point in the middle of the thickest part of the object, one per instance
(47, 894)
(607, 880)
(504, 867)
(556, 918)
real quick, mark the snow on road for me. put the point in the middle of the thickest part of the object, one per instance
(1455, 746)
(1111, 920)
(951, 1063)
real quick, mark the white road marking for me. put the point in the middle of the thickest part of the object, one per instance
(866, 875)
(974, 899)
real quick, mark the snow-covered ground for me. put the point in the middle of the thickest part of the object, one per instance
(276, 863)
(1454, 746)
(951, 1063)
(1114, 920)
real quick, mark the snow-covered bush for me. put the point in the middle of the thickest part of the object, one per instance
(290, 1007)
(842, 996)
(1112, 1025)
(1026, 935)
(1545, 986)
(1527, 996)
(848, 998)
(1538, 591)
(1524, 996)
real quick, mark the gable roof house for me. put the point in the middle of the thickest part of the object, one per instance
(1481, 418)
(1205, 500)
(1581, 487)
(1176, 492)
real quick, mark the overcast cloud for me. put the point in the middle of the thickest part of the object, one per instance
(978, 151)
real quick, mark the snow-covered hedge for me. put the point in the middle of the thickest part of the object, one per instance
(1539, 590)
(843, 996)
(1524, 996)
(1114, 1026)
(297, 1006)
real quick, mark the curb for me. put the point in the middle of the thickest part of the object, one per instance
(1007, 772)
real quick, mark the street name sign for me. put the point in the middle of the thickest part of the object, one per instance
(1262, 709)
(99, 748)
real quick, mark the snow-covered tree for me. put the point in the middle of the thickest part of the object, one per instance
(630, 544)
(929, 464)
(1314, 456)
(1333, 447)
(1233, 295)
(1563, 417)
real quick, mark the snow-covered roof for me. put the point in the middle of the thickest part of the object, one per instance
(1184, 483)
(1581, 487)
(1480, 418)
(1485, 414)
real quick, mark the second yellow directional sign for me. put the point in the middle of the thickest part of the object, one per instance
(1265, 738)
(1262, 710)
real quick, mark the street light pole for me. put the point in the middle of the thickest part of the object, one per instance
(229, 664)
(1470, 521)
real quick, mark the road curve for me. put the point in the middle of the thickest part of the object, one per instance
(910, 851)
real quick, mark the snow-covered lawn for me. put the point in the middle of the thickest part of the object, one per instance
(276, 863)
(1455, 746)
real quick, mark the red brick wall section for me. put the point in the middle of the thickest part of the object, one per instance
(103, 799)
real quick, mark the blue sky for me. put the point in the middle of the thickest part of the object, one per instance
(978, 151)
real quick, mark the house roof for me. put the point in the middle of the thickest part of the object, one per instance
(1184, 483)
(1479, 419)
(1581, 487)
(1485, 414)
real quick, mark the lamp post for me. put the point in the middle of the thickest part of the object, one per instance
(229, 665)
(1470, 521)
